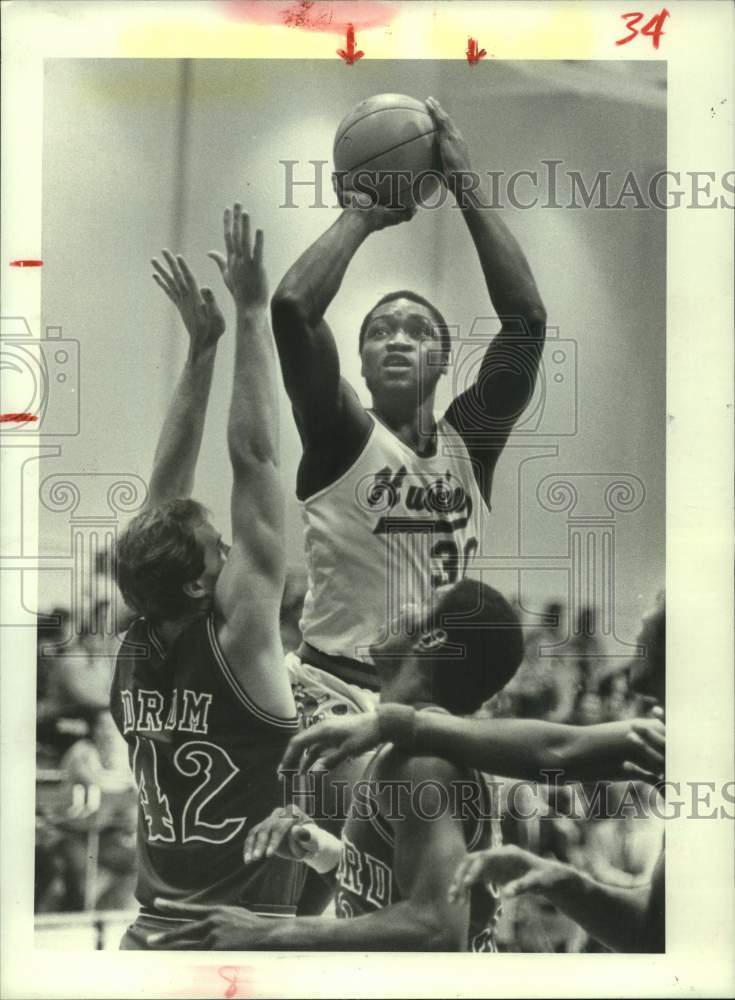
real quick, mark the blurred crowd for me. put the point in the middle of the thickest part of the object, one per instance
(86, 805)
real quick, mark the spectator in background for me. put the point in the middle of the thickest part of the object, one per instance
(586, 653)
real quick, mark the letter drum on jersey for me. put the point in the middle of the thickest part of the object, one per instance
(143, 711)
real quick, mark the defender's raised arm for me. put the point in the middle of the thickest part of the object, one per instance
(181, 435)
(250, 585)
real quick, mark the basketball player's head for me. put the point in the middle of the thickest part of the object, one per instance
(404, 347)
(456, 651)
(168, 561)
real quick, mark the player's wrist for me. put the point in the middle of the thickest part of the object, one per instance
(328, 850)
(397, 724)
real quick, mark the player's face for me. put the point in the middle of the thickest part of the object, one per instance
(401, 349)
(215, 552)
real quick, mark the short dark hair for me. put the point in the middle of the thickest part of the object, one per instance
(439, 322)
(156, 555)
(479, 620)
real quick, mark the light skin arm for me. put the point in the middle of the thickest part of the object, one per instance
(249, 588)
(426, 854)
(331, 421)
(178, 447)
(624, 919)
(516, 748)
(505, 382)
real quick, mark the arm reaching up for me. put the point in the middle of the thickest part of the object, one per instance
(486, 412)
(249, 588)
(181, 436)
(331, 421)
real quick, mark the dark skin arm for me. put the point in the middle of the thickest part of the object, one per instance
(426, 854)
(516, 748)
(624, 919)
(331, 421)
(485, 413)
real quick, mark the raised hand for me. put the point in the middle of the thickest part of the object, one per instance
(197, 306)
(455, 157)
(332, 741)
(242, 268)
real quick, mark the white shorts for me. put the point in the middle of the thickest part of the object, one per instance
(320, 695)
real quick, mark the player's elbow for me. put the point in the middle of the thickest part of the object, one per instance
(289, 311)
(534, 318)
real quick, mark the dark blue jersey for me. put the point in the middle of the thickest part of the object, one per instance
(366, 880)
(204, 757)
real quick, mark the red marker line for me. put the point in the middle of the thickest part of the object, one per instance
(26, 263)
(17, 418)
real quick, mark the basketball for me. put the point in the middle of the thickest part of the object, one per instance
(382, 136)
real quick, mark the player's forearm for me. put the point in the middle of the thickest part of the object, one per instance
(401, 927)
(252, 430)
(508, 277)
(613, 915)
(178, 446)
(517, 748)
(313, 281)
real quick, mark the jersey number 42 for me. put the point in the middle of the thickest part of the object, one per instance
(210, 768)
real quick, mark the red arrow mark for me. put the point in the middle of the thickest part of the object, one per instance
(349, 55)
(26, 263)
(474, 55)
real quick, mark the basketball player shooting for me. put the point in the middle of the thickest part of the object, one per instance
(200, 692)
(391, 497)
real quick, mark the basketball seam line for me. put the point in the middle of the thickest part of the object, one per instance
(389, 150)
(340, 136)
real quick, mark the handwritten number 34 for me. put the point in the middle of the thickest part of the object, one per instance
(653, 28)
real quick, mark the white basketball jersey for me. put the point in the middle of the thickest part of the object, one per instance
(392, 526)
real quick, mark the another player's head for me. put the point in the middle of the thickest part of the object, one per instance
(456, 651)
(168, 561)
(404, 347)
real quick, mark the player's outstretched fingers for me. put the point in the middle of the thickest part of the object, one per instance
(652, 730)
(642, 752)
(162, 284)
(469, 871)
(220, 262)
(257, 837)
(189, 280)
(165, 278)
(227, 227)
(189, 938)
(175, 270)
(636, 773)
(244, 234)
(278, 831)
(530, 882)
(258, 246)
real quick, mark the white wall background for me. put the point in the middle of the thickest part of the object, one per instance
(132, 164)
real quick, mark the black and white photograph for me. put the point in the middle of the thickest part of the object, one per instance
(343, 497)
